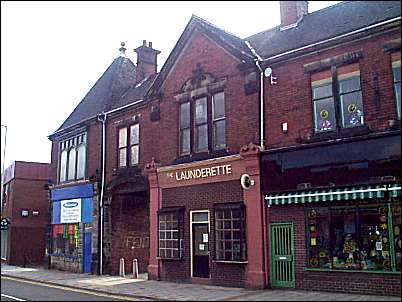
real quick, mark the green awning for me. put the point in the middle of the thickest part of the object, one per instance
(334, 194)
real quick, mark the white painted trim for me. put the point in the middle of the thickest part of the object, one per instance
(326, 193)
(191, 237)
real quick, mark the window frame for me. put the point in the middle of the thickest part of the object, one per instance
(336, 79)
(128, 145)
(395, 64)
(193, 124)
(179, 211)
(71, 145)
(357, 208)
(242, 232)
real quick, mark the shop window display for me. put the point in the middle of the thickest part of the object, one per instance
(66, 239)
(353, 238)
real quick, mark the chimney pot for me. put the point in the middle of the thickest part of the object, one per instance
(150, 44)
(144, 42)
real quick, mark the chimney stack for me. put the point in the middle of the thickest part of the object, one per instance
(292, 12)
(146, 60)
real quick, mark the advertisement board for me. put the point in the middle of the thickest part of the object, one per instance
(70, 211)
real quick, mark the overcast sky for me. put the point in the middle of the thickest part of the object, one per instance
(52, 53)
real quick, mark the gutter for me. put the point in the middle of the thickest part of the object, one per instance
(333, 39)
(96, 116)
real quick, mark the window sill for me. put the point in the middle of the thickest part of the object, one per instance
(331, 135)
(350, 271)
(169, 259)
(230, 262)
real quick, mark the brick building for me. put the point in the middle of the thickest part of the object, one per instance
(331, 174)
(166, 154)
(25, 208)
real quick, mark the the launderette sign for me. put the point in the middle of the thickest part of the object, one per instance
(217, 170)
(204, 172)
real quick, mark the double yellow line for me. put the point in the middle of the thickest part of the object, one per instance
(83, 291)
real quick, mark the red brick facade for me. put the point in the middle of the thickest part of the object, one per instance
(26, 235)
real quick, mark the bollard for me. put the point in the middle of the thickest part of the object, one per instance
(135, 269)
(122, 272)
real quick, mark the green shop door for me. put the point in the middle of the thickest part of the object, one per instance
(282, 268)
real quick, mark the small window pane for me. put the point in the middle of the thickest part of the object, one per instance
(352, 109)
(71, 164)
(63, 165)
(198, 217)
(348, 85)
(123, 157)
(185, 141)
(219, 134)
(218, 105)
(81, 161)
(201, 111)
(135, 134)
(324, 115)
(185, 115)
(123, 137)
(398, 98)
(397, 74)
(134, 155)
(202, 137)
(322, 91)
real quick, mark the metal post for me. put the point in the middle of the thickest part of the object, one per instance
(122, 272)
(135, 269)
(2, 169)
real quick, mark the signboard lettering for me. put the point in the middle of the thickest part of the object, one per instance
(204, 172)
(70, 211)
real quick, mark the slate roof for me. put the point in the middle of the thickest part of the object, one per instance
(329, 22)
(106, 92)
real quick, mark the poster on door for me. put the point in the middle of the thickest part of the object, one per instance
(70, 211)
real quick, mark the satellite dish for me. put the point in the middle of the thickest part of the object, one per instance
(267, 72)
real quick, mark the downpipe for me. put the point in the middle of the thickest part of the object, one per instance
(102, 118)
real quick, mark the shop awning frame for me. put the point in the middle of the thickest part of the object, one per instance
(334, 194)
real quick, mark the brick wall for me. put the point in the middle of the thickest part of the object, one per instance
(290, 100)
(241, 110)
(202, 197)
(129, 232)
(354, 282)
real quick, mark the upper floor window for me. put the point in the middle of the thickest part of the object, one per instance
(202, 124)
(337, 99)
(129, 139)
(72, 158)
(396, 73)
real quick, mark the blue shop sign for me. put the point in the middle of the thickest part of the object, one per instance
(72, 204)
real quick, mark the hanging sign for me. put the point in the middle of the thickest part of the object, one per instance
(70, 211)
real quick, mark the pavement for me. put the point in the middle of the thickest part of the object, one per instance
(144, 289)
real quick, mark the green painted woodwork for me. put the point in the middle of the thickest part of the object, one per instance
(282, 268)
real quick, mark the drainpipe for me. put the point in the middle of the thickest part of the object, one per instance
(102, 118)
(258, 60)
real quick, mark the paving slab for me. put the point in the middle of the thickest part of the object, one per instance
(162, 290)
